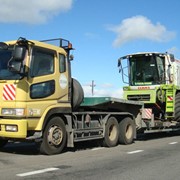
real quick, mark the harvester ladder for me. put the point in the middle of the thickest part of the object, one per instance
(170, 98)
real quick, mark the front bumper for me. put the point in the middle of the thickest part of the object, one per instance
(21, 128)
(148, 96)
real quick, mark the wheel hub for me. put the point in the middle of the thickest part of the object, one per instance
(55, 135)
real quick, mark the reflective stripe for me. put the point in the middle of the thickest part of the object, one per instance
(170, 98)
(9, 92)
(147, 113)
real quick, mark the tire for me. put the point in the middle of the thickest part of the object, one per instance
(3, 142)
(77, 94)
(54, 137)
(111, 133)
(126, 131)
(177, 107)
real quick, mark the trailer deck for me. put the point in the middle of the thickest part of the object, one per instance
(111, 104)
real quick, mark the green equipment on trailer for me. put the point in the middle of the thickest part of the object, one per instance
(154, 79)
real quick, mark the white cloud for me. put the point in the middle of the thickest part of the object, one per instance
(107, 85)
(32, 11)
(140, 27)
(103, 92)
(173, 50)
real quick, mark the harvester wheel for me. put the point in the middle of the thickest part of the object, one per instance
(177, 107)
(126, 131)
(111, 133)
(54, 137)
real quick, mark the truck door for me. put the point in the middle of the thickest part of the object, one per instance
(48, 83)
(42, 69)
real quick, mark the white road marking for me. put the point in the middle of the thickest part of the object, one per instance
(98, 148)
(37, 172)
(173, 143)
(133, 152)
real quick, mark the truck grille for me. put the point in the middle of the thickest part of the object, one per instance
(141, 97)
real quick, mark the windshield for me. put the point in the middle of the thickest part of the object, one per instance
(5, 74)
(146, 69)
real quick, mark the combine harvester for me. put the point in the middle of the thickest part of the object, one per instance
(154, 79)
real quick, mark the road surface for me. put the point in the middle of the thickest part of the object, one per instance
(151, 157)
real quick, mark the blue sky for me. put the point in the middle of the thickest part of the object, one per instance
(101, 31)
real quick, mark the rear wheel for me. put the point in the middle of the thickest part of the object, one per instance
(54, 137)
(111, 133)
(126, 131)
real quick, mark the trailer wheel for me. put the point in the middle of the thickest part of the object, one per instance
(54, 137)
(111, 133)
(3, 142)
(126, 131)
(177, 107)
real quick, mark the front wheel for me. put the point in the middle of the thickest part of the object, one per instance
(126, 131)
(54, 137)
(111, 133)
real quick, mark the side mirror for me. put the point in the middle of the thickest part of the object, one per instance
(119, 62)
(119, 65)
(71, 57)
(18, 56)
(19, 53)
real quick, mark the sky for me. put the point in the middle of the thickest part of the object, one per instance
(101, 31)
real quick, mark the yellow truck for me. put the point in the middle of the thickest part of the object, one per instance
(41, 102)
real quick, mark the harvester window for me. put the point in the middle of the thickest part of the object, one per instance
(42, 63)
(146, 69)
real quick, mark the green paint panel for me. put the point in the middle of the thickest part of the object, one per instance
(106, 101)
(92, 101)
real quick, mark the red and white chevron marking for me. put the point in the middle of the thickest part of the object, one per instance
(147, 113)
(9, 92)
(170, 98)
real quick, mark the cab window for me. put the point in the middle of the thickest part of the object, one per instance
(42, 89)
(42, 63)
(62, 63)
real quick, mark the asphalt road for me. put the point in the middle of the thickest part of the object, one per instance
(151, 157)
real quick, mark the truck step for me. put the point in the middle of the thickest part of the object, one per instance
(88, 134)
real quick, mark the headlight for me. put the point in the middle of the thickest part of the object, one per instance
(11, 128)
(13, 111)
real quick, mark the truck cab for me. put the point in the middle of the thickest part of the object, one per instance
(34, 78)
